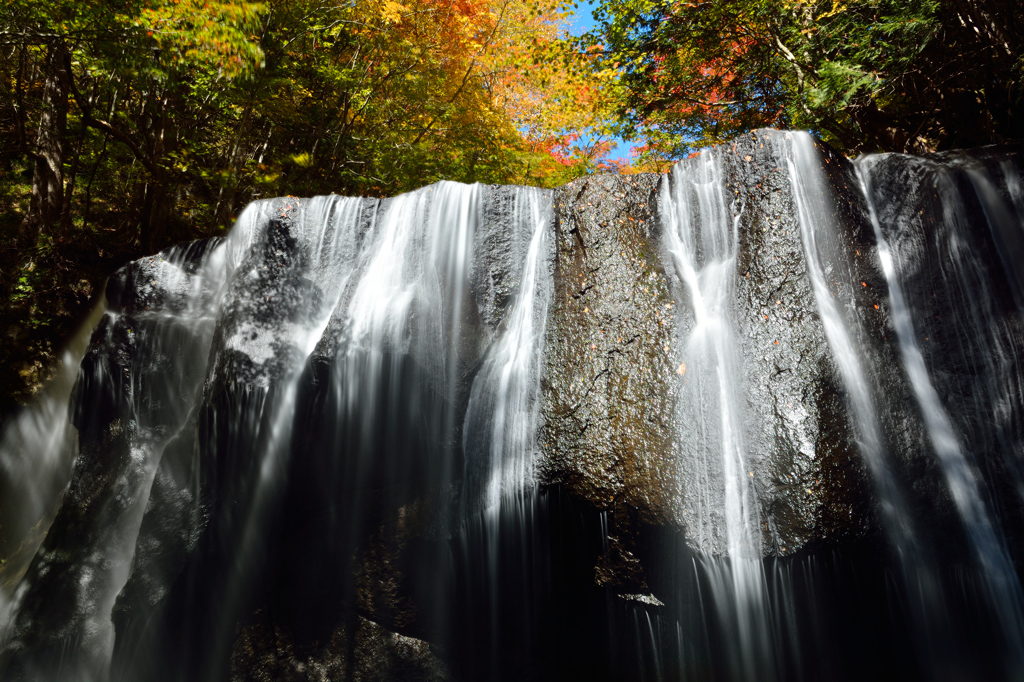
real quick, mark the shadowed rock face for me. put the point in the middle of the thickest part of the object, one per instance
(615, 360)
(952, 222)
(607, 415)
(264, 654)
(133, 397)
(808, 480)
(287, 453)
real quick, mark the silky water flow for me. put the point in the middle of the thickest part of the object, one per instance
(767, 617)
(378, 306)
(980, 340)
(309, 450)
(702, 236)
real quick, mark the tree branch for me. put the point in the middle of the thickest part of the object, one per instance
(105, 126)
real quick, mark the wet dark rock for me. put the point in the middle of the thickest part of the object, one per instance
(498, 255)
(362, 559)
(606, 420)
(170, 528)
(961, 283)
(612, 361)
(130, 399)
(811, 483)
(270, 298)
(160, 282)
(606, 430)
(329, 516)
(263, 653)
(813, 487)
(620, 570)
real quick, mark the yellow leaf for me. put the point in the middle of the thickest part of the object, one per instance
(393, 11)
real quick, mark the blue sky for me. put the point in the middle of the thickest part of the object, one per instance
(583, 18)
(581, 21)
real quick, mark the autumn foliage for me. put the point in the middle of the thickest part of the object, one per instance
(866, 75)
(127, 126)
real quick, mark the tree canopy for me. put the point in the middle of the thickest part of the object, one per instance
(865, 75)
(129, 125)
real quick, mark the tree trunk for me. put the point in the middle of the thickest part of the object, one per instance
(225, 209)
(19, 97)
(69, 190)
(153, 217)
(48, 177)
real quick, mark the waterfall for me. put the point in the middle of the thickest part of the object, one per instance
(500, 423)
(339, 329)
(763, 612)
(701, 234)
(837, 309)
(761, 418)
(37, 448)
(964, 271)
(140, 416)
(327, 232)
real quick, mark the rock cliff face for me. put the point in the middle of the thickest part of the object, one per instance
(616, 359)
(638, 427)
(952, 223)
(607, 415)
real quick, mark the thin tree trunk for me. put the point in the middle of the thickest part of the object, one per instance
(19, 104)
(225, 208)
(69, 191)
(88, 187)
(48, 177)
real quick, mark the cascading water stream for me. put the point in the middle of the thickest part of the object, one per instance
(622, 430)
(499, 429)
(396, 351)
(373, 303)
(503, 404)
(36, 451)
(1003, 586)
(1004, 215)
(403, 315)
(838, 313)
(149, 412)
(328, 229)
(837, 307)
(701, 233)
